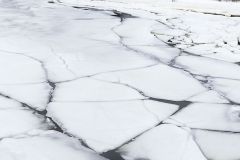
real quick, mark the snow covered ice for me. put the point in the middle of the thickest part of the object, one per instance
(119, 80)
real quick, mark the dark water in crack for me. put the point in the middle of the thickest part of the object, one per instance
(122, 15)
(112, 155)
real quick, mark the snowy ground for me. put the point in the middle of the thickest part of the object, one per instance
(119, 80)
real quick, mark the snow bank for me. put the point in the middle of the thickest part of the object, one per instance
(204, 6)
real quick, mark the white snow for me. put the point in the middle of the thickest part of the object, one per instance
(166, 141)
(88, 89)
(203, 66)
(158, 81)
(35, 95)
(219, 145)
(209, 6)
(208, 97)
(45, 146)
(144, 79)
(17, 119)
(227, 87)
(107, 125)
(6, 103)
(23, 70)
(206, 116)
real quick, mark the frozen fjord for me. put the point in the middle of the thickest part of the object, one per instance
(111, 80)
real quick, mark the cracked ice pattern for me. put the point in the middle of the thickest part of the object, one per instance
(85, 82)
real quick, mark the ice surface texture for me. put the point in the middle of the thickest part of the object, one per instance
(97, 80)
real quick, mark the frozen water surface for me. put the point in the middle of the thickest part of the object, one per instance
(119, 80)
(107, 125)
